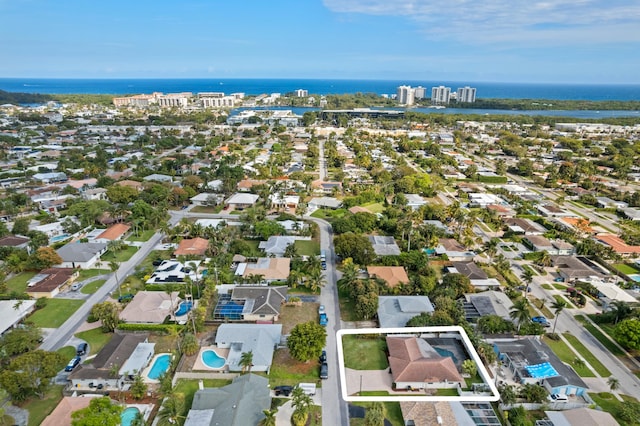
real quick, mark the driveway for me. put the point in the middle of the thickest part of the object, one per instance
(368, 380)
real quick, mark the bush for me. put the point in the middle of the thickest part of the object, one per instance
(165, 328)
(41, 302)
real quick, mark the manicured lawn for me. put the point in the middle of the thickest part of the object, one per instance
(561, 287)
(547, 286)
(591, 359)
(626, 269)
(606, 342)
(611, 405)
(364, 354)
(446, 392)
(329, 214)
(189, 387)
(55, 313)
(205, 209)
(143, 236)
(545, 310)
(95, 338)
(287, 371)
(92, 287)
(120, 256)
(529, 268)
(565, 300)
(347, 307)
(567, 355)
(19, 282)
(67, 352)
(90, 273)
(307, 247)
(41, 408)
(374, 207)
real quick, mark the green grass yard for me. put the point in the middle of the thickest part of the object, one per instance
(601, 337)
(39, 409)
(374, 207)
(364, 354)
(588, 356)
(626, 269)
(143, 236)
(90, 273)
(607, 402)
(96, 339)
(567, 356)
(92, 287)
(119, 256)
(392, 413)
(55, 313)
(307, 247)
(18, 283)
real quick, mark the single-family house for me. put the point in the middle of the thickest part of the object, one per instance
(81, 255)
(51, 177)
(150, 307)
(524, 226)
(48, 282)
(240, 403)
(104, 371)
(277, 244)
(448, 413)
(206, 199)
(416, 364)
(415, 201)
(259, 339)
(157, 177)
(192, 247)
(241, 200)
(392, 275)
(580, 416)
(384, 245)
(61, 415)
(477, 305)
(12, 312)
(289, 202)
(115, 232)
(552, 210)
(131, 184)
(608, 203)
(396, 311)
(617, 244)
(532, 361)
(572, 268)
(539, 243)
(268, 269)
(172, 271)
(324, 202)
(263, 303)
(15, 241)
(631, 214)
(478, 278)
(454, 250)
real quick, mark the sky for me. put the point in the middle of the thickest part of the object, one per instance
(535, 41)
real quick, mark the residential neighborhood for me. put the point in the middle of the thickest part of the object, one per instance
(188, 259)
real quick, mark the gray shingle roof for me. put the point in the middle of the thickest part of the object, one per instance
(80, 252)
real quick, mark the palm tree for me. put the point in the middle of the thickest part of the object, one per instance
(349, 271)
(527, 277)
(621, 309)
(544, 259)
(246, 361)
(315, 280)
(269, 417)
(491, 248)
(520, 312)
(171, 410)
(557, 306)
(614, 384)
(114, 266)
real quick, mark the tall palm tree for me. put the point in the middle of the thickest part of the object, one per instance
(171, 410)
(614, 384)
(114, 266)
(491, 248)
(315, 280)
(557, 306)
(520, 312)
(246, 361)
(544, 259)
(527, 277)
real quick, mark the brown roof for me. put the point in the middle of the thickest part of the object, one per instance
(272, 268)
(450, 244)
(13, 241)
(114, 232)
(150, 307)
(414, 360)
(61, 415)
(195, 246)
(55, 277)
(393, 275)
(131, 183)
(617, 244)
(358, 209)
(427, 413)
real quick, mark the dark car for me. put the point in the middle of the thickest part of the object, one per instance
(157, 262)
(72, 364)
(283, 390)
(323, 357)
(82, 349)
(324, 371)
(125, 298)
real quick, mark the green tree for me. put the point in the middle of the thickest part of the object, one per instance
(269, 417)
(494, 324)
(101, 411)
(520, 312)
(533, 393)
(374, 416)
(627, 333)
(246, 361)
(507, 394)
(30, 374)
(190, 345)
(44, 257)
(469, 367)
(306, 341)
(301, 403)
(108, 313)
(139, 387)
(357, 247)
(614, 383)
(20, 340)
(557, 306)
(21, 226)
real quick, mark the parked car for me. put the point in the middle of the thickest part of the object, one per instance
(542, 321)
(75, 286)
(82, 349)
(157, 262)
(125, 298)
(324, 319)
(324, 371)
(323, 357)
(72, 364)
(283, 390)
(558, 397)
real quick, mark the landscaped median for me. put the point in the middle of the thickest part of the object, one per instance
(567, 356)
(588, 356)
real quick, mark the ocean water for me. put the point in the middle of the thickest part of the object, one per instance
(322, 87)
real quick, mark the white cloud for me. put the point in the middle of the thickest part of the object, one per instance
(562, 22)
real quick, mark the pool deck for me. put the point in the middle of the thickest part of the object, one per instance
(145, 372)
(198, 365)
(145, 409)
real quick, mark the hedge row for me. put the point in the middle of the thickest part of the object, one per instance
(166, 328)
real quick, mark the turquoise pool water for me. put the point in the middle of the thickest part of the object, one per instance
(127, 416)
(635, 277)
(541, 371)
(58, 238)
(212, 360)
(445, 352)
(160, 365)
(184, 308)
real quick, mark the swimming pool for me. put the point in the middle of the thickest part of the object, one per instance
(212, 360)
(445, 352)
(635, 277)
(183, 308)
(127, 416)
(58, 238)
(160, 365)
(541, 371)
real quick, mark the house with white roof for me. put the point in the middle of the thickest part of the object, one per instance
(259, 339)
(242, 200)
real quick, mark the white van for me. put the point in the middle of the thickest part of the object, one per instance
(308, 388)
(558, 397)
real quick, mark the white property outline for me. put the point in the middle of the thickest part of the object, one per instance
(484, 374)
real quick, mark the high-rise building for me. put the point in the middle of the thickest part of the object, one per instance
(440, 95)
(405, 95)
(301, 93)
(466, 94)
(420, 92)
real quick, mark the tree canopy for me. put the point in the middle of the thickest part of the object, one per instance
(100, 412)
(306, 341)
